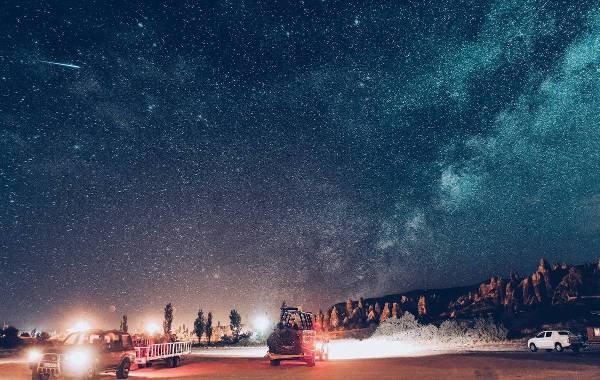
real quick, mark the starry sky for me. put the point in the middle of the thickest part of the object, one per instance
(238, 153)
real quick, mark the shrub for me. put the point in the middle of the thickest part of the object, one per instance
(450, 332)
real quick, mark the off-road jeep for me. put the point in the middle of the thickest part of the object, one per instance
(294, 338)
(85, 354)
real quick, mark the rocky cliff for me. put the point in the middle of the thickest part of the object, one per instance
(549, 294)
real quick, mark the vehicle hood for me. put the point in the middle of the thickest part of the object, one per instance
(54, 350)
(63, 349)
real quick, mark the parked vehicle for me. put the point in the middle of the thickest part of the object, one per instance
(592, 339)
(85, 354)
(294, 338)
(557, 340)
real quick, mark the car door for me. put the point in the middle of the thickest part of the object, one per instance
(538, 340)
(115, 349)
(548, 343)
(128, 349)
(104, 355)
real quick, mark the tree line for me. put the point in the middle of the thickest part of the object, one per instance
(203, 325)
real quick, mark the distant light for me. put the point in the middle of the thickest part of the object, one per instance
(34, 355)
(152, 328)
(261, 323)
(81, 326)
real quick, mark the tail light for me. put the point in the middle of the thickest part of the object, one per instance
(308, 337)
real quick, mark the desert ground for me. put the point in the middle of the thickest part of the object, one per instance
(466, 365)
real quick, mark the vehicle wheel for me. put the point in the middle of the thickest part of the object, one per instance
(39, 376)
(532, 347)
(558, 347)
(170, 363)
(149, 364)
(176, 361)
(123, 369)
(90, 374)
(275, 362)
(310, 362)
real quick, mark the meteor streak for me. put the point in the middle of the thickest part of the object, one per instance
(62, 64)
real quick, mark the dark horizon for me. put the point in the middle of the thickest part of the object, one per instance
(240, 154)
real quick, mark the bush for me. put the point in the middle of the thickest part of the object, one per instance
(450, 332)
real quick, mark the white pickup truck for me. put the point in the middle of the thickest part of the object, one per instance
(556, 340)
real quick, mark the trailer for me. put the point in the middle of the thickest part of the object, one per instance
(171, 353)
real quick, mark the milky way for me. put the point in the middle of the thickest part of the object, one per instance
(243, 153)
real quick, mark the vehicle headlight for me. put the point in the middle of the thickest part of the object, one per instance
(78, 360)
(34, 355)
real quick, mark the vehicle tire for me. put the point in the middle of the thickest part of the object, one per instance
(275, 363)
(176, 361)
(558, 347)
(310, 362)
(91, 374)
(170, 363)
(532, 347)
(149, 364)
(39, 376)
(123, 369)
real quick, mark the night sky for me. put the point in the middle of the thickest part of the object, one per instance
(239, 153)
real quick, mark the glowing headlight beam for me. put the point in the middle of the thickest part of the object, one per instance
(34, 355)
(345, 349)
(78, 360)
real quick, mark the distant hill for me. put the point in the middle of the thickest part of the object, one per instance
(559, 294)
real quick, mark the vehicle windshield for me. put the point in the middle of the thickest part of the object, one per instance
(83, 338)
(72, 339)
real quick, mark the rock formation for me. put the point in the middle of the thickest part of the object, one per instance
(422, 309)
(570, 286)
(385, 313)
(395, 312)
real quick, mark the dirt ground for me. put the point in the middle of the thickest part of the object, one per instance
(489, 365)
